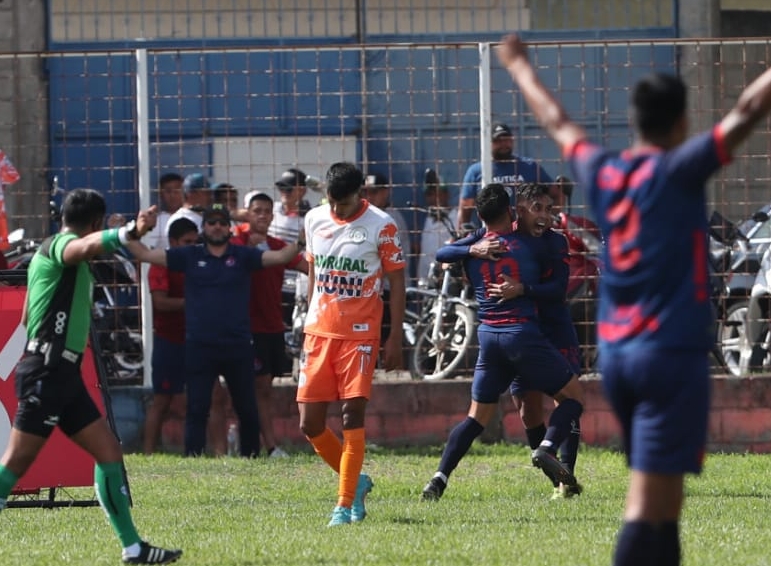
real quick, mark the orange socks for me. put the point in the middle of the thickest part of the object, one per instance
(328, 446)
(350, 465)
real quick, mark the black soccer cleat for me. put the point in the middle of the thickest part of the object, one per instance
(149, 554)
(552, 467)
(434, 490)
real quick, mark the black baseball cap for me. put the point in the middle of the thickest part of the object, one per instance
(376, 180)
(501, 131)
(216, 211)
(291, 178)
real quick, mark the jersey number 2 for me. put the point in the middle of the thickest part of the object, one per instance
(622, 246)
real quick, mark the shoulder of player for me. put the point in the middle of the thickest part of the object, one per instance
(554, 238)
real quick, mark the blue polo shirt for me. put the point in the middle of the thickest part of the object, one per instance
(216, 292)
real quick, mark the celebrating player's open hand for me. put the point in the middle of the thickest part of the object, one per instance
(508, 288)
(511, 49)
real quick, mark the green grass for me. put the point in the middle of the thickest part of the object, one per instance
(496, 510)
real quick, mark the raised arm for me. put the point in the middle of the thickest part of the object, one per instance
(753, 105)
(144, 254)
(106, 241)
(512, 54)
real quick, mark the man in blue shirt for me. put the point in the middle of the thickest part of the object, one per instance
(509, 170)
(512, 347)
(655, 320)
(218, 338)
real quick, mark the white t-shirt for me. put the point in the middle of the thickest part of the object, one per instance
(158, 237)
(285, 227)
(435, 234)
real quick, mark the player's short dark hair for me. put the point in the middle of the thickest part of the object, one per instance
(492, 202)
(527, 192)
(170, 178)
(343, 179)
(658, 101)
(180, 227)
(263, 197)
(83, 207)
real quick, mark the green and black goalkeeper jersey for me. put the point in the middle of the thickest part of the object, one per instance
(59, 296)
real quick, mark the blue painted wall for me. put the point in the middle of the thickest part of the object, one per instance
(423, 105)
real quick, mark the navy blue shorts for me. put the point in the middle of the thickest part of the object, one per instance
(168, 367)
(661, 399)
(520, 358)
(269, 353)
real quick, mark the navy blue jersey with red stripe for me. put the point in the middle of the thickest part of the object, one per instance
(522, 260)
(553, 308)
(650, 205)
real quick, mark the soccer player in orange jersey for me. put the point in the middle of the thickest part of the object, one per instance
(352, 246)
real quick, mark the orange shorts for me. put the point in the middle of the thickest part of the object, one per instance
(332, 369)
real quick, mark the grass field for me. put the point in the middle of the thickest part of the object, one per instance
(496, 510)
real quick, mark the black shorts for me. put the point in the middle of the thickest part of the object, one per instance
(269, 353)
(52, 396)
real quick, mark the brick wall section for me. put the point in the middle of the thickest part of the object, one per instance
(417, 413)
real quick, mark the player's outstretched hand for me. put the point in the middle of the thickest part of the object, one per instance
(511, 49)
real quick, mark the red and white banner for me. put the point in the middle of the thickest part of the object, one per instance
(61, 463)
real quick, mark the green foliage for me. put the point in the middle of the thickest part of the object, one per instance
(496, 510)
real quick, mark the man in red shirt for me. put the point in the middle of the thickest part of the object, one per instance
(265, 312)
(167, 289)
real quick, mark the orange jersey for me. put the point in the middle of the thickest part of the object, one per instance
(349, 258)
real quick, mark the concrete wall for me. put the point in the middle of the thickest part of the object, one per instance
(413, 413)
(24, 109)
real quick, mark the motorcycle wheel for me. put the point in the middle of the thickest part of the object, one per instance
(452, 353)
(731, 331)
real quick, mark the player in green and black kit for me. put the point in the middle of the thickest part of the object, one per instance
(49, 385)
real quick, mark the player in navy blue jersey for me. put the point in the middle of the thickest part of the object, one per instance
(508, 169)
(655, 320)
(511, 344)
(534, 213)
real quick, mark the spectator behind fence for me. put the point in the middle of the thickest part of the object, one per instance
(656, 321)
(49, 384)
(198, 196)
(377, 190)
(351, 247)
(172, 197)
(265, 313)
(436, 227)
(218, 339)
(288, 215)
(508, 169)
(167, 290)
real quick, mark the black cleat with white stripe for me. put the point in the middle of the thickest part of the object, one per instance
(149, 554)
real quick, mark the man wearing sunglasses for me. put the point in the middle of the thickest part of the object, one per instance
(218, 338)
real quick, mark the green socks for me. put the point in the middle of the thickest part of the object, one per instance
(113, 497)
(7, 480)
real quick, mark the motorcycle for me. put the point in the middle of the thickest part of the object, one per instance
(730, 259)
(746, 332)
